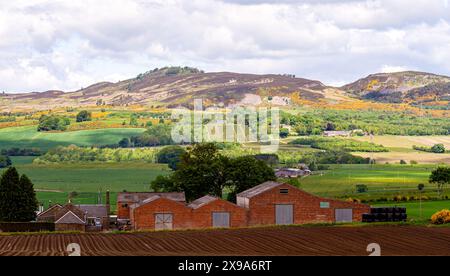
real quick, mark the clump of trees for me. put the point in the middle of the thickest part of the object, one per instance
(155, 135)
(5, 161)
(18, 201)
(333, 144)
(21, 152)
(53, 123)
(438, 148)
(84, 116)
(171, 155)
(203, 170)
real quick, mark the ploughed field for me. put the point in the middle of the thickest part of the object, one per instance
(394, 240)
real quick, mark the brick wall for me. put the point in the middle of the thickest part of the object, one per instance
(306, 207)
(123, 210)
(202, 217)
(69, 227)
(143, 217)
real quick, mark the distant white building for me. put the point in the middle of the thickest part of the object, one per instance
(337, 133)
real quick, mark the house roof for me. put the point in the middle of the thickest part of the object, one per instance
(94, 211)
(69, 208)
(139, 197)
(202, 201)
(259, 189)
(50, 211)
(70, 218)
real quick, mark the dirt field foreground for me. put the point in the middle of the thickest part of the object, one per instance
(297, 241)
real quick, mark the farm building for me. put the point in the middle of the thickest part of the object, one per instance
(270, 203)
(282, 204)
(126, 199)
(210, 211)
(71, 217)
(291, 173)
(337, 133)
(160, 213)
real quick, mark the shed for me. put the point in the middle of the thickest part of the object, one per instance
(210, 211)
(126, 199)
(278, 203)
(160, 213)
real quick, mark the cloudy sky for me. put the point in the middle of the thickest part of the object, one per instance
(69, 44)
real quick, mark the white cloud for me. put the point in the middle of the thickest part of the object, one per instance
(71, 44)
(394, 69)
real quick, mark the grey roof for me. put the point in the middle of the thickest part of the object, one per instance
(94, 211)
(150, 199)
(202, 201)
(70, 218)
(139, 197)
(259, 189)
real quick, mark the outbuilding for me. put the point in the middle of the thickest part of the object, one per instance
(127, 199)
(274, 203)
(160, 213)
(213, 212)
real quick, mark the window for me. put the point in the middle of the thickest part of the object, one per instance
(125, 205)
(284, 191)
(324, 205)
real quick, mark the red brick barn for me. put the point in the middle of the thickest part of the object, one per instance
(212, 212)
(160, 213)
(275, 203)
(125, 200)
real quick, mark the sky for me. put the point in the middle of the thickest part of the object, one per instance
(67, 45)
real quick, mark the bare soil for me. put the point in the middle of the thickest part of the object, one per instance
(293, 241)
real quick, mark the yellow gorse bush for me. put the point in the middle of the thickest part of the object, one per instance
(441, 217)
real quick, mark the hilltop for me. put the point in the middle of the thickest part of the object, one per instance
(404, 87)
(171, 87)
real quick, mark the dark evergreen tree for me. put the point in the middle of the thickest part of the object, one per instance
(10, 195)
(17, 197)
(29, 202)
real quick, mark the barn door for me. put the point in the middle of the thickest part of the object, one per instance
(221, 220)
(163, 221)
(284, 214)
(344, 215)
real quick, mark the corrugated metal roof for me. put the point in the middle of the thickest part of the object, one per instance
(202, 201)
(139, 197)
(94, 211)
(259, 189)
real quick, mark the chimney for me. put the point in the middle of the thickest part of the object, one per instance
(108, 206)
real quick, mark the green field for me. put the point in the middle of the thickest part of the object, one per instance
(29, 137)
(428, 209)
(55, 182)
(382, 180)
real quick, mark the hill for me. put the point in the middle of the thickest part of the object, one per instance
(415, 88)
(177, 86)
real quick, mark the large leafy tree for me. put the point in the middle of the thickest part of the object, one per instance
(171, 155)
(17, 197)
(247, 172)
(203, 170)
(440, 177)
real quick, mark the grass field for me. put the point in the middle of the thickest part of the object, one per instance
(381, 180)
(413, 209)
(29, 137)
(55, 182)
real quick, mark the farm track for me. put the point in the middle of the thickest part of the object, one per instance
(297, 241)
